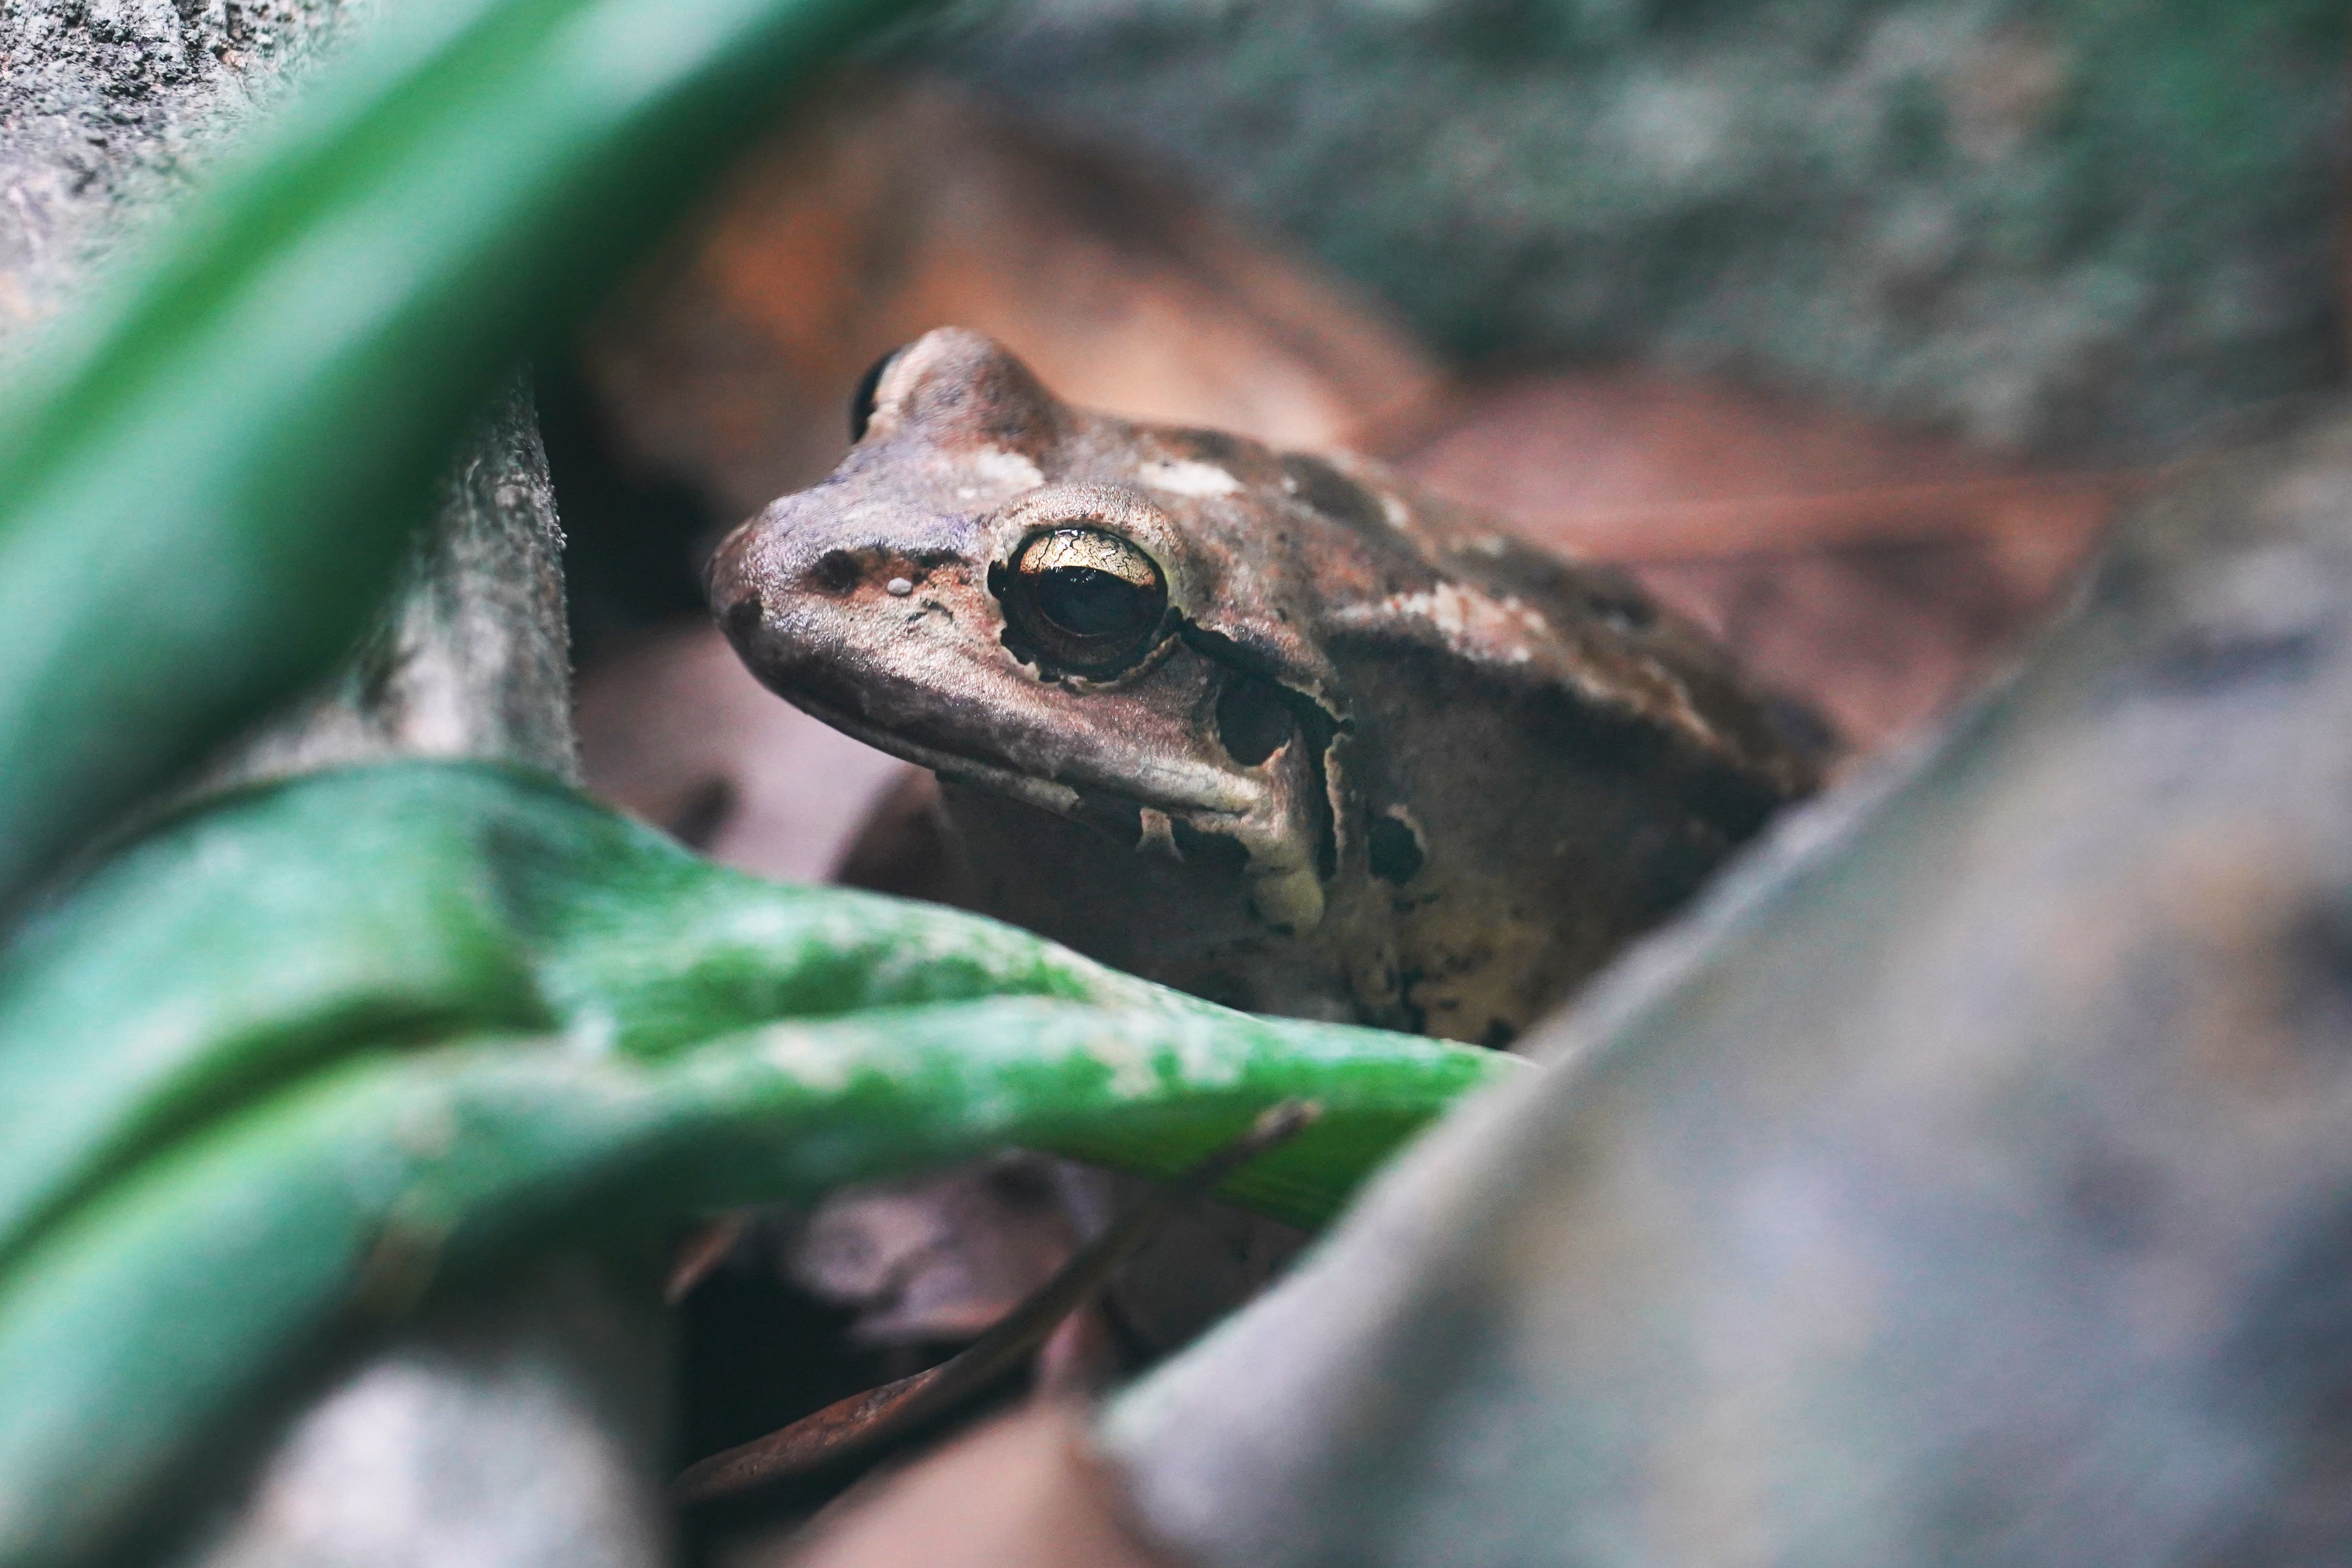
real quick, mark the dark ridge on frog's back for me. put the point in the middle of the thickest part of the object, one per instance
(1332, 493)
(1205, 445)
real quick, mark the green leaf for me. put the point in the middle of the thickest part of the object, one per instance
(216, 1161)
(243, 944)
(213, 1146)
(182, 1294)
(202, 500)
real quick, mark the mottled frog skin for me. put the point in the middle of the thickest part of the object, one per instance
(1271, 728)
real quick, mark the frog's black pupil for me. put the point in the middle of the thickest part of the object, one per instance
(1087, 603)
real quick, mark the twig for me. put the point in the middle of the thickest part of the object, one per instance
(878, 1416)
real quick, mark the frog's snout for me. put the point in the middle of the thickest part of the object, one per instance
(753, 606)
(733, 597)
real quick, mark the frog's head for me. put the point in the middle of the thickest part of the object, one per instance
(1106, 620)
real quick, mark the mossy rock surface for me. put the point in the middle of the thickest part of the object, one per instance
(2081, 226)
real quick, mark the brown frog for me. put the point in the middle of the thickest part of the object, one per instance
(1268, 727)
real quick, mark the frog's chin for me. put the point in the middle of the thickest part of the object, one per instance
(1285, 892)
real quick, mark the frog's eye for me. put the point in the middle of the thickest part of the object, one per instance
(861, 401)
(1088, 601)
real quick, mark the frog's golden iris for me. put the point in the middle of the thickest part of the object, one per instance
(1088, 599)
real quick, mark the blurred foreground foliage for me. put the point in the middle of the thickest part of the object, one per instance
(274, 1067)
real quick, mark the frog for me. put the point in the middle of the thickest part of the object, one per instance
(1274, 728)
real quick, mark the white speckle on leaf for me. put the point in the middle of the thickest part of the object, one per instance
(1206, 1057)
(806, 1060)
(426, 1129)
(1185, 477)
(762, 922)
(1134, 1074)
(593, 1032)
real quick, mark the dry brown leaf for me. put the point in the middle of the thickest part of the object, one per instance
(896, 205)
(1871, 574)
(1024, 1491)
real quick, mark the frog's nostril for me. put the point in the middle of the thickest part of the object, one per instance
(835, 571)
(743, 615)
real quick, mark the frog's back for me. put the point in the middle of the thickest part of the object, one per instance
(1540, 761)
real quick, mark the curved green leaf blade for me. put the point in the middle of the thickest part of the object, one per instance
(339, 1200)
(200, 504)
(271, 930)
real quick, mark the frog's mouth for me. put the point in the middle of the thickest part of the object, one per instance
(1279, 818)
(1046, 794)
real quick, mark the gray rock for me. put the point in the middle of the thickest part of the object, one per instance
(512, 1434)
(1969, 1182)
(2068, 224)
(108, 107)
(472, 656)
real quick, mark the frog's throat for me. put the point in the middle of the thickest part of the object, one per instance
(1285, 890)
